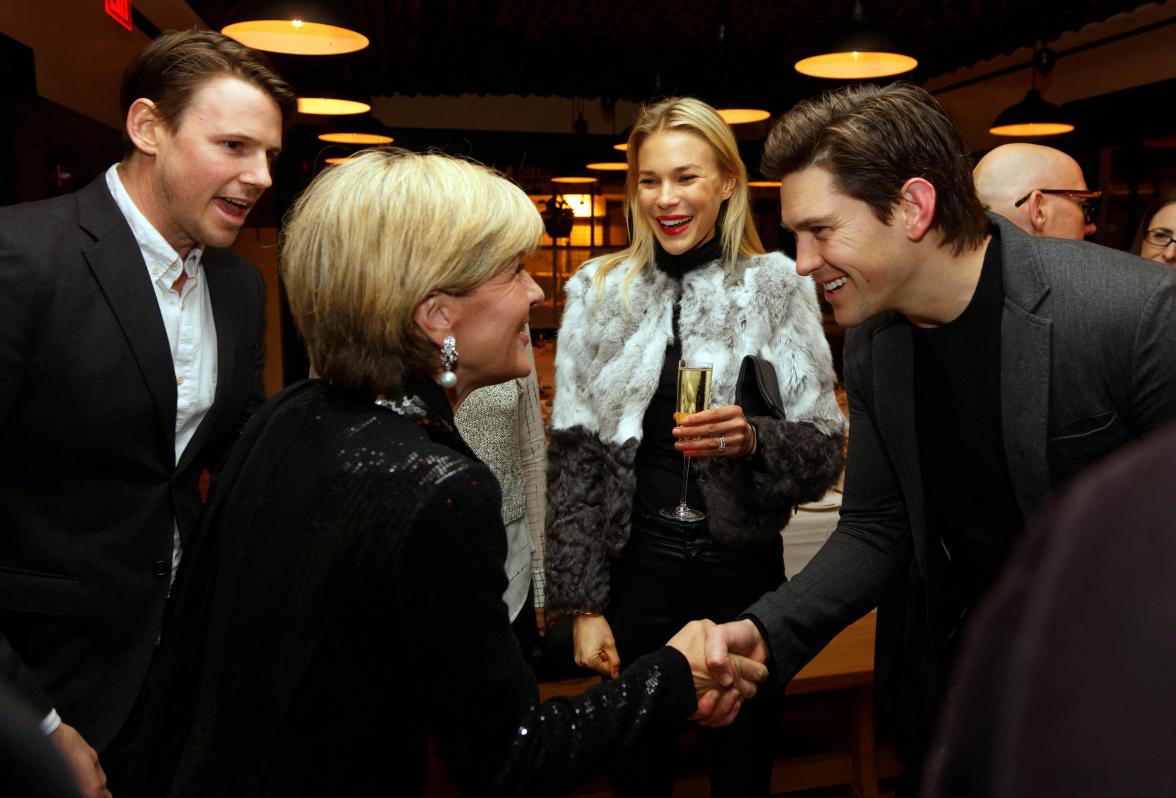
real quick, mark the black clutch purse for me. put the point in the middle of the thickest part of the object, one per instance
(756, 390)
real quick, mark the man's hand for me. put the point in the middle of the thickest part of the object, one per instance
(731, 648)
(717, 704)
(82, 761)
(594, 645)
(737, 637)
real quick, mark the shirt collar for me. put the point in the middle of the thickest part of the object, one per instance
(163, 262)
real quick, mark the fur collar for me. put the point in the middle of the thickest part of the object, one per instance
(610, 352)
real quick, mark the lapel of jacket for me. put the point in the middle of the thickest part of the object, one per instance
(1024, 366)
(117, 264)
(226, 314)
(894, 399)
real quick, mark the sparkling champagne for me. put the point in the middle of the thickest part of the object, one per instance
(694, 388)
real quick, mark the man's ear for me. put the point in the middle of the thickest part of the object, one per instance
(1037, 214)
(917, 208)
(144, 126)
(435, 316)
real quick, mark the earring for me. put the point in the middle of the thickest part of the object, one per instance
(448, 361)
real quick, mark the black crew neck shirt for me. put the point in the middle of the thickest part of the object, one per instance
(971, 505)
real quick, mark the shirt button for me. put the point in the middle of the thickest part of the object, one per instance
(161, 568)
(179, 379)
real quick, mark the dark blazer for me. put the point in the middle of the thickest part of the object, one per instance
(89, 487)
(1088, 363)
(343, 604)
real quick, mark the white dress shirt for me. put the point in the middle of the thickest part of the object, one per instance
(187, 318)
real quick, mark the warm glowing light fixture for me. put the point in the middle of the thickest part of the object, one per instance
(1033, 117)
(623, 146)
(369, 139)
(296, 27)
(331, 106)
(585, 205)
(336, 160)
(742, 116)
(573, 179)
(363, 130)
(608, 166)
(866, 51)
(764, 183)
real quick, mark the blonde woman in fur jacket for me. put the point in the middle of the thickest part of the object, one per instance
(695, 285)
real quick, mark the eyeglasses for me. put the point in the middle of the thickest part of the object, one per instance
(1158, 238)
(1087, 199)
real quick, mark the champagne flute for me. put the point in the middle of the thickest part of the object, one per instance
(694, 388)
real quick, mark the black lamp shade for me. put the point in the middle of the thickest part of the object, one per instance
(1032, 116)
(863, 50)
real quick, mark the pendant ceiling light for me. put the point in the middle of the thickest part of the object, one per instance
(866, 50)
(608, 166)
(331, 106)
(364, 130)
(623, 146)
(742, 116)
(328, 91)
(296, 27)
(573, 179)
(1033, 117)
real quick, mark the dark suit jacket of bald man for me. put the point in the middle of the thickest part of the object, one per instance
(89, 486)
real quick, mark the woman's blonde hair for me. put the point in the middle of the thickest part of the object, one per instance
(738, 233)
(373, 237)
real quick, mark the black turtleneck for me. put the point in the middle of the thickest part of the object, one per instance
(659, 464)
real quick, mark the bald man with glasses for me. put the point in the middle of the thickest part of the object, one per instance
(1039, 189)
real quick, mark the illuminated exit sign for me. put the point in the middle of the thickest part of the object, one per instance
(120, 12)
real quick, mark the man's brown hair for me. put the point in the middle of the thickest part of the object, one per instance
(175, 64)
(872, 139)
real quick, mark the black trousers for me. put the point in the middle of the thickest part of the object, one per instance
(670, 574)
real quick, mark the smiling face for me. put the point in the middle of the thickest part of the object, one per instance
(858, 261)
(489, 324)
(680, 189)
(211, 169)
(1165, 221)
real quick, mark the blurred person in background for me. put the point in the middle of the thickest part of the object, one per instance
(1037, 188)
(1154, 239)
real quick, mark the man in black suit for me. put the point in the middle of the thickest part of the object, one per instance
(984, 368)
(131, 352)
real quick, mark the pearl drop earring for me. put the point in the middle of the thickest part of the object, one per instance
(448, 361)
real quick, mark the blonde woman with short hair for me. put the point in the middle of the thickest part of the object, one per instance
(343, 603)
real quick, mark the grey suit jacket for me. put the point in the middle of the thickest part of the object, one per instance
(1088, 363)
(89, 486)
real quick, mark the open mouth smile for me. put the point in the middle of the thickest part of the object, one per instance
(674, 225)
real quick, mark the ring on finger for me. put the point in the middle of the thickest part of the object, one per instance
(722, 444)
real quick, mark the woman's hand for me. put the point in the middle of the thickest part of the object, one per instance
(592, 640)
(717, 432)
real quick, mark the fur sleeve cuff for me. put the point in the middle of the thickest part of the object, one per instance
(589, 502)
(749, 502)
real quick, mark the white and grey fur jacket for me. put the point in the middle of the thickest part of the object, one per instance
(607, 367)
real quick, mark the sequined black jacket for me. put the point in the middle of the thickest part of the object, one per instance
(345, 605)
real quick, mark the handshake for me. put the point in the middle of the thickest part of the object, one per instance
(727, 661)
